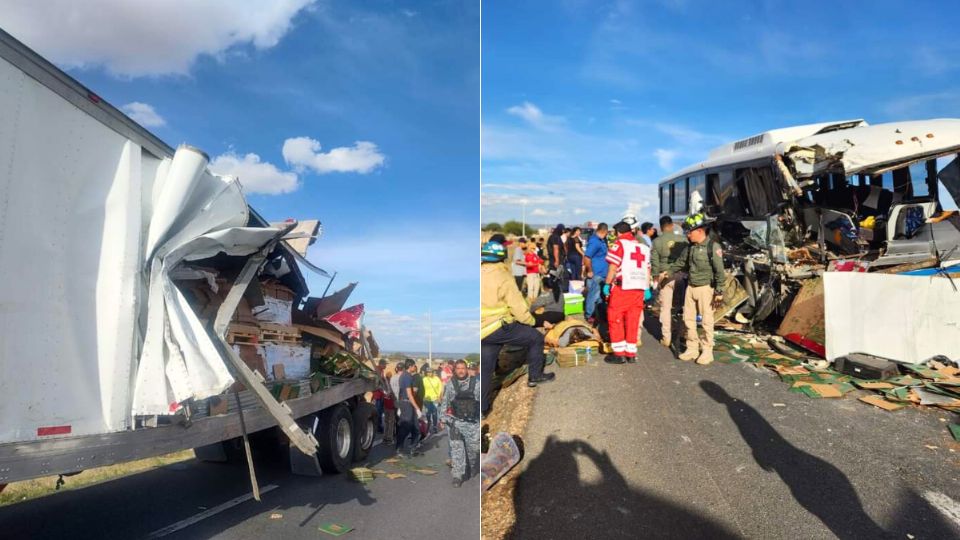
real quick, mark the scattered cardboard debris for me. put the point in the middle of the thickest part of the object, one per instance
(394, 476)
(361, 474)
(276, 516)
(873, 385)
(878, 401)
(335, 529)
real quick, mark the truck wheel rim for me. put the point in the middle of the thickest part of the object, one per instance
(343, 438)
(366, 441)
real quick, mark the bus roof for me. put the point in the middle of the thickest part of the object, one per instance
(762, 145)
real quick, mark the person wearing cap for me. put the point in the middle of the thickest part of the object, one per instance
(519, 266)
(704, 267)
(504, 320)
(669, 256)
(628, 278)
(432, 394)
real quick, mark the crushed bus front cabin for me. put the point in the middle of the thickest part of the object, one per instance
(799, 206)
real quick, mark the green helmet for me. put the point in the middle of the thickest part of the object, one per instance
(493, 252)
(695, 221)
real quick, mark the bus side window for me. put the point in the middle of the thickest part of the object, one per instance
(712, 196)
(728, 195)
(680, 196)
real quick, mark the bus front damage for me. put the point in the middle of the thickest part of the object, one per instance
(854, 198)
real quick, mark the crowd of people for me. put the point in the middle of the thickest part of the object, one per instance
(420, 401)
(623, 269)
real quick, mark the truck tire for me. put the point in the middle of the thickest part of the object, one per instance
(364, 430)
(336, 439)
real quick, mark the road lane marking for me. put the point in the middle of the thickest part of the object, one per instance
(947, 506)
(159, 533)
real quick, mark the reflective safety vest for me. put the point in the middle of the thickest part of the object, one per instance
(503, 317)
(634, 269)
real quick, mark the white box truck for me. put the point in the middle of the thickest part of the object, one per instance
(102, 358)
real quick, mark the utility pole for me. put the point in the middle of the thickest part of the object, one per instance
(523, 205)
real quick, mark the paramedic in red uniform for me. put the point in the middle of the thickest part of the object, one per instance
(627, 280)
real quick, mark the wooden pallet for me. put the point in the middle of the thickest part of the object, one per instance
(243, 334)
(278, 333)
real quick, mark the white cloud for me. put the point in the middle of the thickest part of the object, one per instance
(304, 153)
(143, 114)
(535, 117)
(145, 38)
(410, 331)
(665, 158)
(569, 201)
(255, 176)
(616, 102)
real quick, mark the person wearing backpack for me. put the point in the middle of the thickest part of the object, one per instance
(460, 406)
(704, 267)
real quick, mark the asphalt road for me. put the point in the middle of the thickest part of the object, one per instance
(416, 507)
(669, 449)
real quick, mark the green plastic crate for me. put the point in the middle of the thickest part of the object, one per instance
(572, 304)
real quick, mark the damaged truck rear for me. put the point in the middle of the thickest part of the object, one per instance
(836, 234)
(145, 308)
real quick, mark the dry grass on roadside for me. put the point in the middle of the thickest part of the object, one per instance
(511, 412)
(40, 487)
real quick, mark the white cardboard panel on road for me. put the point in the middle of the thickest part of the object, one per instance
(904, 318)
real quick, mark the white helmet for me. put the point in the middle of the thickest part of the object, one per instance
(631, 220)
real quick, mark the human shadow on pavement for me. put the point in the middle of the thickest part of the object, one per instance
(817, 485)
(551, 501)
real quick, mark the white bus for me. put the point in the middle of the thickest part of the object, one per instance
(851, 188)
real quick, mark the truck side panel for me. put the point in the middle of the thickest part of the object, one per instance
(71, 191)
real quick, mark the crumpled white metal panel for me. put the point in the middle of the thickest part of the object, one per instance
(867, 147)
(903, 318)
(196, 215)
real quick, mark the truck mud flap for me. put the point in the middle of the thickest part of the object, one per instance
(304, 441)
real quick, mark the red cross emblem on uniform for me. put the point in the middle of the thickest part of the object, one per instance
(637, 255)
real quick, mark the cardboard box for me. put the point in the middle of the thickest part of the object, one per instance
(252, 356)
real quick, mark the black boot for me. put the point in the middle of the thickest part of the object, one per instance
(546, 377)
(614, 359)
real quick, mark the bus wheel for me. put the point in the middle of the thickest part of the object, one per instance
(336, 439)
(365, 429)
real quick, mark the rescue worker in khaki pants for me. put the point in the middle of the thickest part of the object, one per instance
(669, 258)
(704, 267)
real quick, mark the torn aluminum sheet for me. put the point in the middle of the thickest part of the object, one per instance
(870, 148)
(179, 360)
(196, 215)
(904, 318)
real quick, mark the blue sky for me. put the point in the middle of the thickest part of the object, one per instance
(362, 114)
(588, 104)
